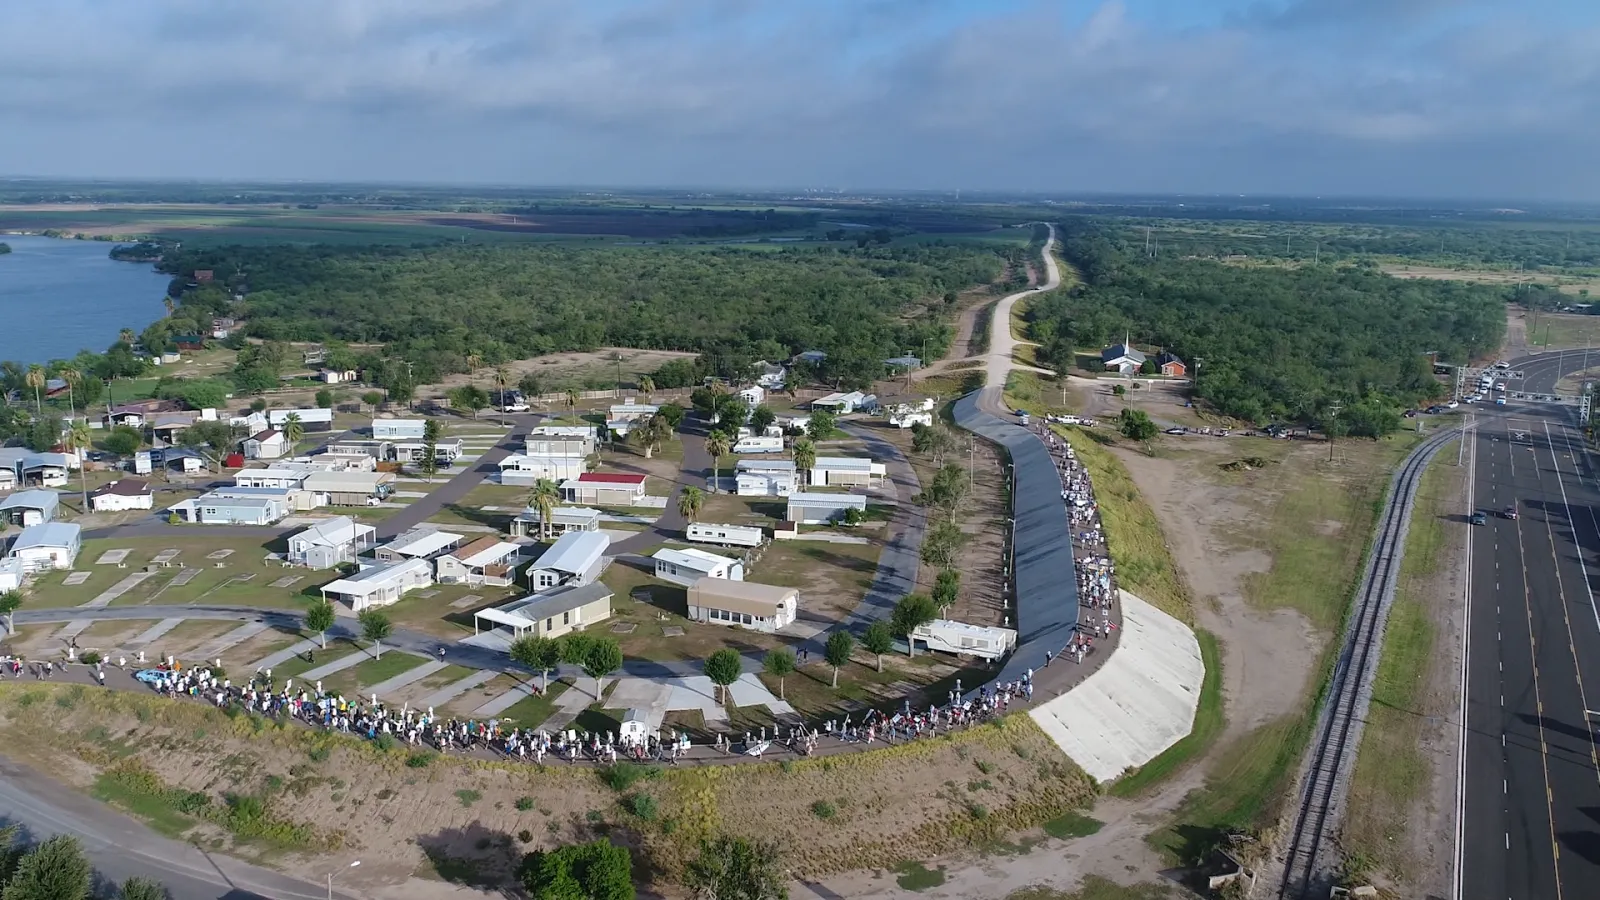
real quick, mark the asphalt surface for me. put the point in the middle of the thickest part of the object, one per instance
(1530, 822)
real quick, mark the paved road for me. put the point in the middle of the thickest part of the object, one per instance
(1530, 814)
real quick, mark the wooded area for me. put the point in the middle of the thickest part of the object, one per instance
(1278, 343)
(437, 306)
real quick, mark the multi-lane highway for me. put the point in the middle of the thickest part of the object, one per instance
(1529, 813)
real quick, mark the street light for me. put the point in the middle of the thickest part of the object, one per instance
(330, 878)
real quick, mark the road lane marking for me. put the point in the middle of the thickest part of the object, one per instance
(1538, 698)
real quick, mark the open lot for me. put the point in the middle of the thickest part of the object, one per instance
(1578, 285)
(592, 370)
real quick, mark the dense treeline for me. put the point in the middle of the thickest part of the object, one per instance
(437, 306)
(1278, 343)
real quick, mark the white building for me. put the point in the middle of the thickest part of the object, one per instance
(549, 614)
(380, 585)
(560, 440)
(418, 543)
(330, 543)
(725, 535)
(949, 636)
(349, 487)
(815, 508)
(122, 494)
(847, 471)
(685, 567)
(47, 469)
(13, 572)
(771, 375)
(521, 469)
(268, 444)
(759, 444)
(398, 429)
(752, 396)
(624, 416)
(840, 404)
(576, 558)
(562, 520)
(758, 607)
(766, 478)
(31, 507)
(281, 476)
(48, 545)
(604, 489)
(311, 418)
(237, 506)
(486, 561)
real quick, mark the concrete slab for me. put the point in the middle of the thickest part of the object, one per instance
(74, 579)
(184, 577)
(217, 646)
(361, 655)
(149, 635)
(115, 591)
(498, 639)
(385, 688)
(572, 701)
(466, 601)
(72, 630)
(112, 557)
(287, 581)
(413, 495)
(224, 553)
(164, 557)
(286, 654)
(749, 691)
(506, 700)
(456, 688)
(1140, 702)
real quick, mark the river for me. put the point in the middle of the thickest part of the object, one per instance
(61, 296)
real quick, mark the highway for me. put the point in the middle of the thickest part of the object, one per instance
(1529, 804)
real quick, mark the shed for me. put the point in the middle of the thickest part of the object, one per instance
(759, 607)
(122, 494)
(268, 444)
(418, 543)
(331, 542)
(350, 487)
(634, 730)
(577, 557)
(48, 545)
(814, 508)
(31, 507)
(380, 585)
(685, 567)
(562, 520)
(550, 613)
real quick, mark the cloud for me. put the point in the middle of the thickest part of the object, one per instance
(1387, 95)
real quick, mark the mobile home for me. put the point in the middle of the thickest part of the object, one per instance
(726, 535)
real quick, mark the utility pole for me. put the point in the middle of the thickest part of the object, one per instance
(1333, 416)
(1195, 386)
(972, 461)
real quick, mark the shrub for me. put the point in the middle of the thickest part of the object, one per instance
(525, 836)
(822, 809)
(467, 796)
(419, 760)
(386, 742)
(318, 754)
(90, 658)
(524, 803)
(641, 805)
(624, 775)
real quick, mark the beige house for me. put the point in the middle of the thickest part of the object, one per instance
(759, 607)
(549, 614)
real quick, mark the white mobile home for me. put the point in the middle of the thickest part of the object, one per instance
(47, 469)
(486, 561)
(329, 543)
(121, 495)
(726, 535)
(48, 545)
(759, 444)
(846, 471)
(577, 557)
(398, 429)
(685, 567)
(380, 585)
(968, 640)
(562, 520)
(814, 508)
(840, 404)
(560, 440)
(311, 419)
(626, 415)
(758, 607)
(281, 476)
(766, 478)
(267, 444)
(525, 470)
(236, 506)
(445, 451)
(418, 543)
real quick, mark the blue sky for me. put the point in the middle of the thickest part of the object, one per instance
(1442, 98)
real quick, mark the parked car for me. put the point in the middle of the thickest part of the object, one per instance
(1479, 518)
(1451, 405)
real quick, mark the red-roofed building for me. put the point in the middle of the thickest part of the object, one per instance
(604, 489)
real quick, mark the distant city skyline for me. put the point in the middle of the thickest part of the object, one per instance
(1460, 99)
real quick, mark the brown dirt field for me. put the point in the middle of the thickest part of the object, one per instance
(906, 802)
(1568, 284)
(562, 369)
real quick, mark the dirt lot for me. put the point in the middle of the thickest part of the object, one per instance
(563, 370)
(1567, 283)
(462, 821)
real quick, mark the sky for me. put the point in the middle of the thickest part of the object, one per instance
(1466, 99)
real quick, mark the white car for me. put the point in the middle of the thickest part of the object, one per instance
(1502, 364)
(1472, 399)
(1451, 405)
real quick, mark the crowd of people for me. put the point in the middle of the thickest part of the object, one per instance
(1091, 560)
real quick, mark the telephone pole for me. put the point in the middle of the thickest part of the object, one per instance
(1333, 417)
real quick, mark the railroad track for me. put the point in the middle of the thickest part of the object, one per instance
(1332, 756)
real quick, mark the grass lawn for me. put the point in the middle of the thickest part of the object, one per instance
(434, 615)
(1038, 394)
(189, 634)
(209, 585)
(362, 676)
(530, 712)
(1133, 533)
(1563, 332)
(338, 648)
(1391, 770)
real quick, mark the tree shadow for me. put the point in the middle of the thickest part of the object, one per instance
(475, 856)
(498, 521)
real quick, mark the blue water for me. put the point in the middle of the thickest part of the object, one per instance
(58, 297)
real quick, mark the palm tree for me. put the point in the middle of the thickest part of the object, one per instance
(791, 384)
(501, 376)
(717, 446)
(805, 456)
(691, 502)
(293, 430)
(79, 440)
(126, 336)
(545, 496)
(650, 433)
(167, 302)
(474, 360)
(72, 377)
(572, 399)
(647, 385)
(36, 380)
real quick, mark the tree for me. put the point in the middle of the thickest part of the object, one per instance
(43, 434)
(602, 659)
(732, 412)
(319, 618)
(946, 588)
(10, 601)
(673, 413)
(293, 429)
(143, 889)
(575, 647)
(531, 385)
(216, 435)
(837, 651)
(647, 385)
(805, 456)
(730, 868)
(724, 668)
(430, 448)
(717, 445)
(932, 440)
(79, 440)
(690, 503)
(821, 426)
(325, 399)
(779, 663)
(197, 393)
(502, 377)
(572, 399)
(649, 434)
(598, 870)
(375, 627)
(469, 396)
(539, 654)
(1135, 425)
(940, 543)
(123, 441)
(912, 612)
(73, 378)
(36, 379)
(791, 383)
(761, 417)
(705, 401)
(54, 870)
(372, 398)
(878, 640)
(546, 494)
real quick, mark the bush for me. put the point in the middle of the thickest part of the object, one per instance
(90, 657)
(822, 809)
(641, 805)
(419, 760)
(524, 803)
(386, 742)
(624, 775)
(467, 796)
(525, 836)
